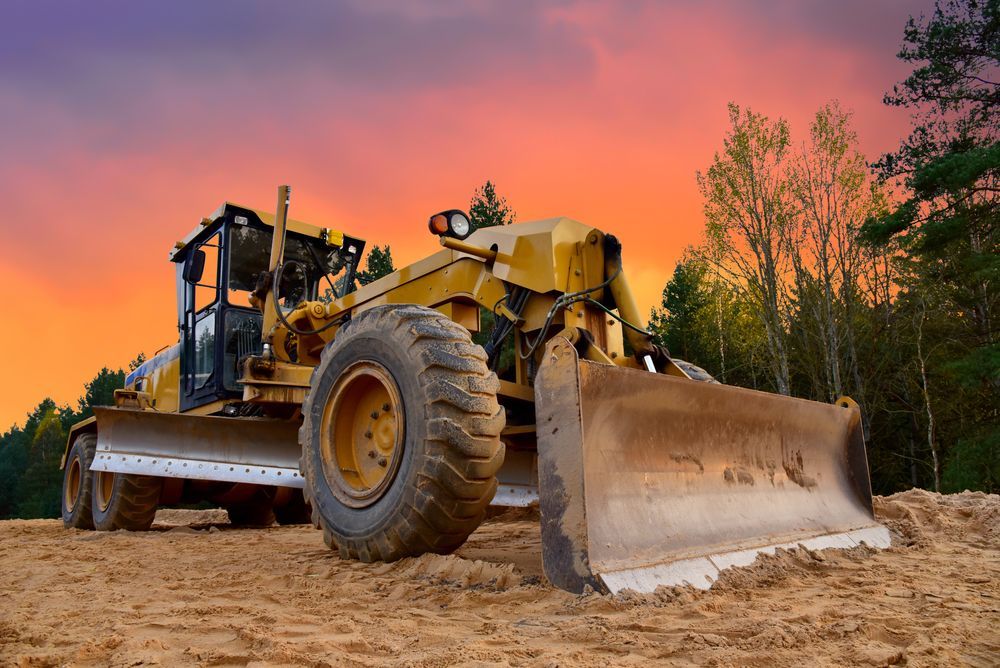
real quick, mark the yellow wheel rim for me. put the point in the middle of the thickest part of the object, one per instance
(73, 481)
(361, 435)
(103, 489)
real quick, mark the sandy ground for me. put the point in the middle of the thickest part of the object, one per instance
(195, 592)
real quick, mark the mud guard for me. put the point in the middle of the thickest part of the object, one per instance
(647, 479)
(260, 451)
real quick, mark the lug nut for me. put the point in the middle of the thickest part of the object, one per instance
(386, 407)
(383, 462)
(374, 415)
(371, 453)
(368, 434)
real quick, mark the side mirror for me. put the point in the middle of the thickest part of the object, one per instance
(194, 268)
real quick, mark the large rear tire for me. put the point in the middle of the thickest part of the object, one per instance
(401, 435)
(125, 501)
(78, 483)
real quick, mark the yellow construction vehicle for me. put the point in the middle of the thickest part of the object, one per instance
(372, 412)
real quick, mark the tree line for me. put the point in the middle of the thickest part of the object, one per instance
(30, 477)
(821, 274)
(30, 455)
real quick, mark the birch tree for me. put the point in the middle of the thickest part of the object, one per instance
(833, 196)
(747, 209)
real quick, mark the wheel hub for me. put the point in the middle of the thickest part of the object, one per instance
(103, 489)
(73, 484)
(362, 434)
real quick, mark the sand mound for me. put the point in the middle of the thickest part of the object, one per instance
(171, 517)
(453, 570)
(919, 516)
(198, 592)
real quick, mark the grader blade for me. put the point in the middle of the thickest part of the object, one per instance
(228, 449)
(647, 479)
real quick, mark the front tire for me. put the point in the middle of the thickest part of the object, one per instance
(401, 435)
(125, 501)
(78, 483)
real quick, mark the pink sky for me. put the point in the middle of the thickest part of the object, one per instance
(123, 124)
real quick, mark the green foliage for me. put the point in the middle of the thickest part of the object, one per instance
(505, 362)
(137, 362)
(953, 85)
(377, 264)
(30, 477)
(973, 463)
(488, 209)
(701, 320)
(40, 487)
(893, 303)
(100, 391)
(14, 452)
(948, 169)
(949, 166)
(679, 320)
(748, 211)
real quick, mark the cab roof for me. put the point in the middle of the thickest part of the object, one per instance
(333, 237)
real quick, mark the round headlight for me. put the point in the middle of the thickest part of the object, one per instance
(460, 225)
(453, 223)
(438, 224)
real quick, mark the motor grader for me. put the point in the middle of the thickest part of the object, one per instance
(384, 416)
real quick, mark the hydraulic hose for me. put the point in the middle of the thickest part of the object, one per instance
(276, 281)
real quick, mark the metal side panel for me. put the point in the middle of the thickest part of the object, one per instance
(647, 479)
(517, 480)
(173, 445)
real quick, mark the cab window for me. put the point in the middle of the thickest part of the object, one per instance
(249, 251)
(206, 292)
(204, 348)
(310, 266)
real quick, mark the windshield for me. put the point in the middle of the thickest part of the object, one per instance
(317, 268)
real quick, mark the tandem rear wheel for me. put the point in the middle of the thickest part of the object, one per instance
(78, 483)
(124, 501)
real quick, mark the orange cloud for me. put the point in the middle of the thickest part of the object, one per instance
(122, 129)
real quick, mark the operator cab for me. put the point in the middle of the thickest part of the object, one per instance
(218, 267)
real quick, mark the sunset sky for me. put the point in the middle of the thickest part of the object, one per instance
(123, 123)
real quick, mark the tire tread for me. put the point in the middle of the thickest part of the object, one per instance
(84, 446)
(133, 503)
(456, 472)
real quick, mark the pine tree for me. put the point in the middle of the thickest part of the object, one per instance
(488, 209)
(40, 488)
(377, 264)
(100, 391)
(947, 224)
(676, 321)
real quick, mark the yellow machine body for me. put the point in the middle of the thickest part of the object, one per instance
(644, 475)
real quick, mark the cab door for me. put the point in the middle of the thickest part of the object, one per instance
(201, 322)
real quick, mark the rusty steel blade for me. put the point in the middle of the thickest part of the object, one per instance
(229, 449)
(647, 479)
